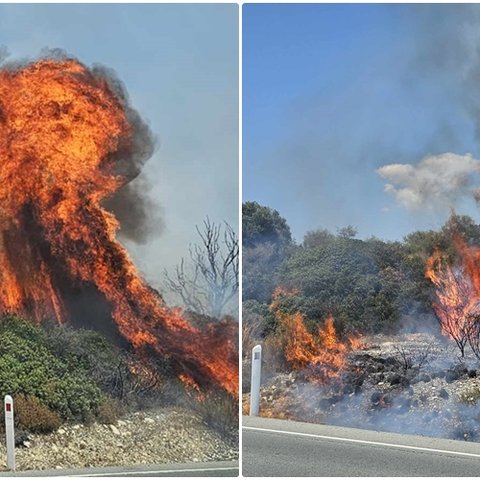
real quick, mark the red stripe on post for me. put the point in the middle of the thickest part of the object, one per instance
(8, 407)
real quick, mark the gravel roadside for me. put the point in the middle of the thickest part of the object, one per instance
(166, 435)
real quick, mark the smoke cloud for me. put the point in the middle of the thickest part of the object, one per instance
(131, 205)
(447, 38)
(4, 53)
(436, 181)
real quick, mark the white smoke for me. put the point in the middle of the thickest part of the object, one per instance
(4, 53)
(436, 181)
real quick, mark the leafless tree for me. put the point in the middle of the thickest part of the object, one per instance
(413, 359)
(209, 280)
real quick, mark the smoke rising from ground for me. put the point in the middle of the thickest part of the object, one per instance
(4, 53)
(437, 181)
(134, 209)
(447, 37)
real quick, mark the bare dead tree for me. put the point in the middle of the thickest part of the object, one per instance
(405, 357)
(413, 359)
(455, 327)
(210, 280)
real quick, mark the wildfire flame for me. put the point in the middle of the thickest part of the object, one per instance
(457, 289)
(65, 140)
(321, 357)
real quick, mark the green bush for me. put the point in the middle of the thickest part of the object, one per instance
(93, 354)
(29, 366)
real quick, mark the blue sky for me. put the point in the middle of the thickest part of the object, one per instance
(331, 93)
(179, 64)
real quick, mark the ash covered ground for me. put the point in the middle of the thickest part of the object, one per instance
(410, 383)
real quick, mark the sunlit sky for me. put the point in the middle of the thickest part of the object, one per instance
(179, 64)
(333, 92)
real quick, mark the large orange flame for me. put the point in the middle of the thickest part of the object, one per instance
(321, 357)
(457, 302)
(64, 138)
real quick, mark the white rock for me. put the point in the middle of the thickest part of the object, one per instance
(114, 430)
(148, 420)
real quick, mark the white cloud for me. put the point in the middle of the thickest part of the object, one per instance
(436, 181)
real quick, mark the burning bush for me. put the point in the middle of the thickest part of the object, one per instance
(320, 357)
(78, 375)
(69, 143)
(457, 304)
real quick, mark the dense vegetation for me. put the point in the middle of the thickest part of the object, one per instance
(57, 374)
(369, 285)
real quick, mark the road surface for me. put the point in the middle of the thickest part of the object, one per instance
(209, 469)
(282, 448)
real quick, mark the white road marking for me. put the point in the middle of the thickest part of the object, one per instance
(180, 470)
(366, 442)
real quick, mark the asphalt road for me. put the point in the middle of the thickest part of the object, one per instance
(210, 469)
(282, 448)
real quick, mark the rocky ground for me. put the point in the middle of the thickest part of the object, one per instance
(414, 383)
(166, 435)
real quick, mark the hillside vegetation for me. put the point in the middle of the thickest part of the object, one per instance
(57, 374)
(368, 285)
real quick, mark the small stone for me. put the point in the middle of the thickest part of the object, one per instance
(61, 431)
(443, 394)
(148, 420)
(375, 397)
(114, 430)
(27, 444)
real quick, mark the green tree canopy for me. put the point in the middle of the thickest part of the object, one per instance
(263, 225)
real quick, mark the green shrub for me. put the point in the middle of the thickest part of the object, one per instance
(93, 354)
(29, 367)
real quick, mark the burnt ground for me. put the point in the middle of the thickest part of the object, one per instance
(411, 383)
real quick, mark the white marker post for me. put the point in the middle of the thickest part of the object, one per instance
(255, 382)
(10, 432)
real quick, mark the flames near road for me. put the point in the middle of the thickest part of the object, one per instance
(68, 142)
(457, 290)
(410, 381)
(319, 357)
